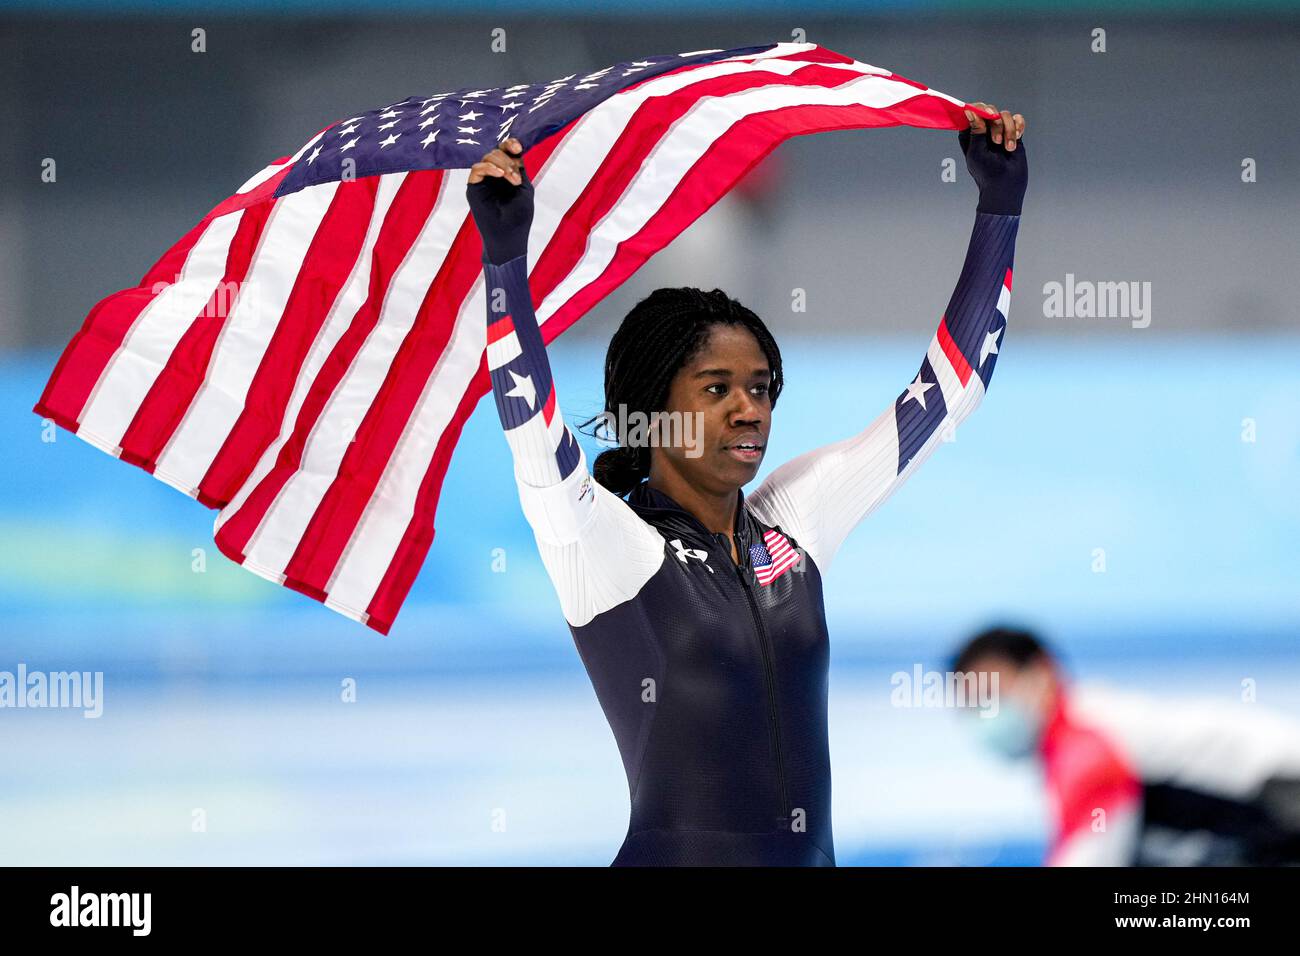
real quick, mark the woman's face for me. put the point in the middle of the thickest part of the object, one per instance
(718, 403)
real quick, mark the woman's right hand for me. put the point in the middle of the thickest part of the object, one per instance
(501, 199)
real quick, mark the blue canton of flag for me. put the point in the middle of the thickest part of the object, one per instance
(453, 130)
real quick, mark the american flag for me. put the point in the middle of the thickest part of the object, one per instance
(773, 557)
(303, 359)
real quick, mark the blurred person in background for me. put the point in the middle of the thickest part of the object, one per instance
(1139, 780)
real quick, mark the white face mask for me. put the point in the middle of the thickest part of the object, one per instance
(1013, 731)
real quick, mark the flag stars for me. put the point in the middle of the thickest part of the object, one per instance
(348, 146)
(468, 142)
(431, 138)
(347, 130)
(431, 121)
(469, 117)
(917, 390)
(390, 114)
(388, 125)
(312, 158)
(392, 138)
(469, 129)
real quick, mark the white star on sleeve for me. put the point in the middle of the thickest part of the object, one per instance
(524, 388)
(990, 346)
(917, 390)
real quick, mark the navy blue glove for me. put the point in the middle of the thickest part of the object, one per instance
(1000, 175)
(503, 213)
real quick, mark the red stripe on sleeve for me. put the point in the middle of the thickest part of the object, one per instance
(950, 349)
(499, 329)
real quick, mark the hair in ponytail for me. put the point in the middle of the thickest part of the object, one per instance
(662, 333)
(622, 469)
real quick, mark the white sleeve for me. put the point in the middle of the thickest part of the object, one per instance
(596, 549)
(820, 496)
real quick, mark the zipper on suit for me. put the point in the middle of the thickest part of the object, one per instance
(770, 678)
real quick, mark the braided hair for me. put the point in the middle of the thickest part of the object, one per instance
(662, 333)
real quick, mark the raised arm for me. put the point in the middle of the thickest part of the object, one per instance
(596, 550)
(820, 496)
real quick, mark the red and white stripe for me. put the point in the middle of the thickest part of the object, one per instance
(305, 364)
(784, 557)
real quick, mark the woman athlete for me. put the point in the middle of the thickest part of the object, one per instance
(697, 610)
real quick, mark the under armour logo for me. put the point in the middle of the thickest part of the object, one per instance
(684, 552)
